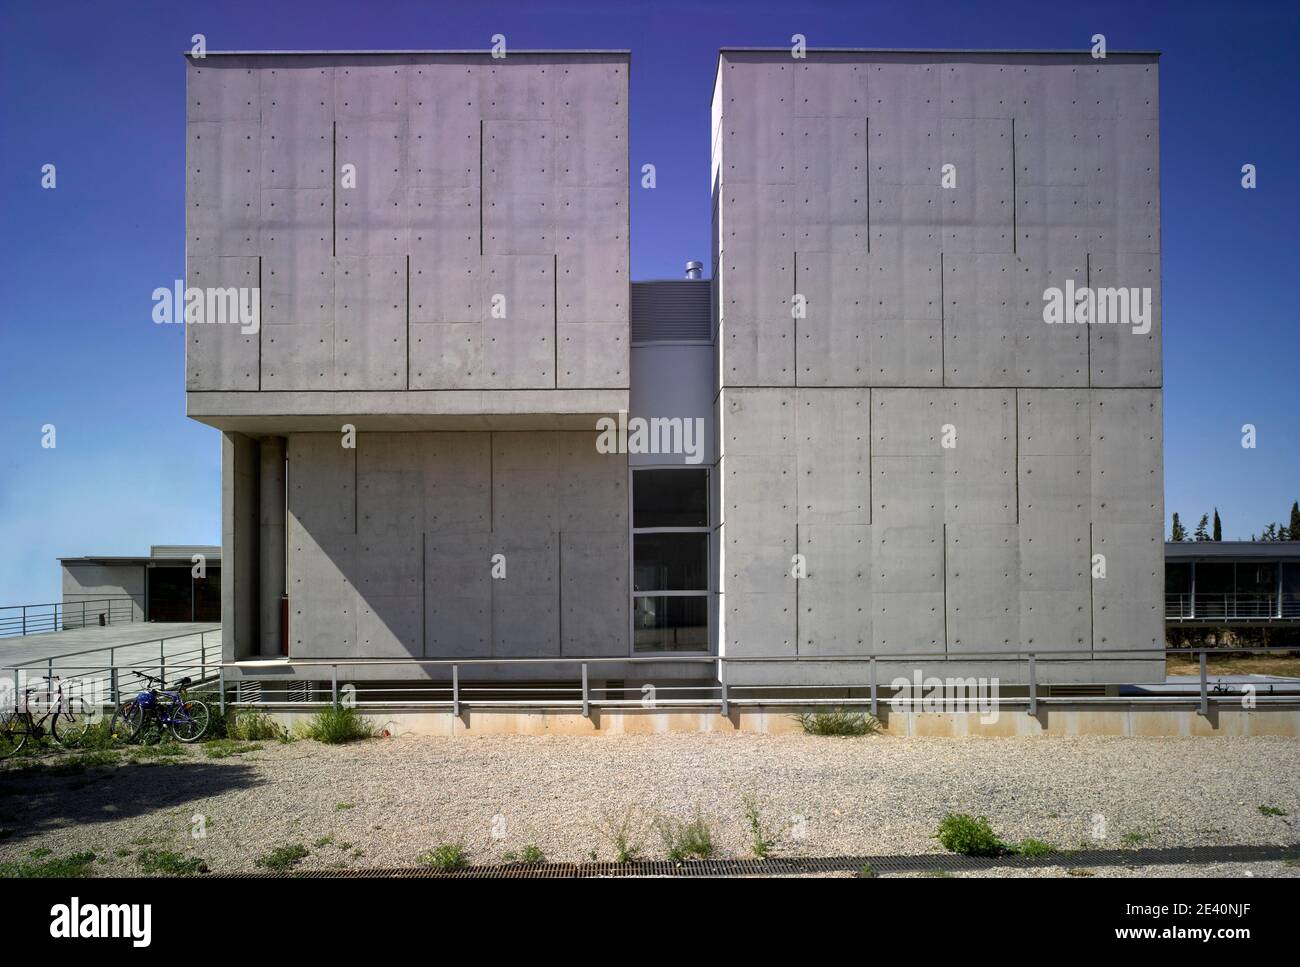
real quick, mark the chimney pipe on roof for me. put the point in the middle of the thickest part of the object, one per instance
(693, 269)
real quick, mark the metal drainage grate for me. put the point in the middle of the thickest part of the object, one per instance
(938, 862)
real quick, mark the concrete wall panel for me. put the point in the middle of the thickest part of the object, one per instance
(446, 355)
(375, 90)
(593, 595)
(593, 355)
(370, 322)
(220, 355)
(1120, 356)
(982, 587)
(835, 597)
(224, 89)
(458, 594)
(372, 218)
(834, 456)
(222, 210)
(297, 126)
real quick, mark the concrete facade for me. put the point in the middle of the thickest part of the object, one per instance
(922, 326)
(440, 243)
(890, 415)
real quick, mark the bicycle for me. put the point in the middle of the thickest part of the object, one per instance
(187, 718)
(66, 727)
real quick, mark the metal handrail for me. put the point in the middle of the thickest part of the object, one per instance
(1231, 606)
(29, 620)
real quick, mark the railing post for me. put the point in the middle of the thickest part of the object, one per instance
(221, 688)
(162, 661)
(203, 657)
(24, 620)
(334, 685)
(873, 686)
(455, 690)
(83, 614)
(586, 697)
(722, 680)
(1205, 692)
(112, 675)
(1033, 687)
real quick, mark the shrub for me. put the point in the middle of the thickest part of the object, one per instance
(173, 864)
(1271, 811)
(838, 721)
(960, 833)
(1035, 847)
(445, 856)
(283, 858)
(623, 834)
(762, 838)
(338, 723)
(866, 872)
(683, 841)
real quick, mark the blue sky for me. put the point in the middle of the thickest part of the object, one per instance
(98, 90)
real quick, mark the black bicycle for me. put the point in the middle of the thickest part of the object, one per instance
(137, 717)
(68, 719)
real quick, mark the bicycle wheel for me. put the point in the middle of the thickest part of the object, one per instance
(70, 723)
(13, 732)
(128, 720)
(190, 721)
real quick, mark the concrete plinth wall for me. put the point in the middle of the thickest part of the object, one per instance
(891, 405)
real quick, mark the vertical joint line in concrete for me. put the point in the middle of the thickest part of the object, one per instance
(555, 313)
(1092, 581)
(424, 594)
(408, 320)
(868, 154)
(797, 550)
(559, 588)
(944, 565)
(260, 327)
(480, 187)
(492, 483)
(356, 485)
(1013, 187)
(334, 189)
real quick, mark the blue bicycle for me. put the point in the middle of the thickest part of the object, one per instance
(188, 719)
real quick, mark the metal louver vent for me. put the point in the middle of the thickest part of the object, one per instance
(299, 691)
(248, 691)
(674, 310)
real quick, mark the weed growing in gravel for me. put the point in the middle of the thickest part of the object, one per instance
(1134, 838)
(283, 858)
(1292, 860)
(762, 837)
(324, 841)
(225, 748)
(1035, 847)
(340, 806)
(970, 836)
(254, 727)
(684, 841)
(169, 863)
(1271, 811)
(623, 833)
(838, 721)
(338, 723)
(866, 872)
(530, 855)
(1079, 871)
(40, 853)
(445, 856)
(76, 865)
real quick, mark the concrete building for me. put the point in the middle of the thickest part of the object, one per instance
(897, 456)
(160, 587)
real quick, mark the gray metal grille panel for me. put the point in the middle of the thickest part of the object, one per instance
(672, 310)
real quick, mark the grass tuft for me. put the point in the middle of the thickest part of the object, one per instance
(838, 721)
(338, 724)
(74, 866)
(169, 863)
(684, 841)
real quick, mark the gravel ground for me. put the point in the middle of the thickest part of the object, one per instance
(382, 802)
